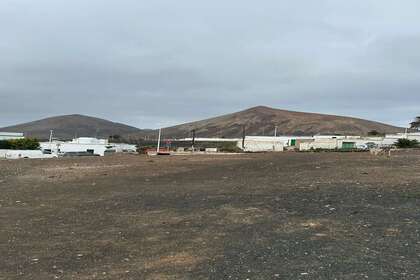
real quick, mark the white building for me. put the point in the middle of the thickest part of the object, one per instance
(11, 135)
(262, 144)
(86, 145)
(341, 142)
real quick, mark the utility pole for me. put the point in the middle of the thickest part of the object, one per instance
(51, 136)
(158, 145)
(193, 140)
(243, 136)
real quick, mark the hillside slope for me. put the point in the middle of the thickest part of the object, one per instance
(261, 120)
(257, 121)
(69, 126)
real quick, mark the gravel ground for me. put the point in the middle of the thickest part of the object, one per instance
(251, 216)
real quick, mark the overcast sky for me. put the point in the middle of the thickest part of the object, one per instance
(157, 63)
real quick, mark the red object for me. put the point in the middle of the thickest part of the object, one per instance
(162, 151)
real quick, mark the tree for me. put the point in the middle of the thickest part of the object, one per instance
(415, 124)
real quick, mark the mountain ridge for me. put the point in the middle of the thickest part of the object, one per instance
(72, 125)
(262, 120)
(259, 120)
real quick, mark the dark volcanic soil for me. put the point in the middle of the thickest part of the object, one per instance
(265, 216)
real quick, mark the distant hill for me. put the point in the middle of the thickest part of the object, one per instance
(257, 121)
(69, 126)
(261, 120)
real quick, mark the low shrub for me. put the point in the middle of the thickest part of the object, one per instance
(407, 143)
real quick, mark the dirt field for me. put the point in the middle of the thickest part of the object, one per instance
(262, 216)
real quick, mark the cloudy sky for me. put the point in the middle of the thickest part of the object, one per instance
(156, 63)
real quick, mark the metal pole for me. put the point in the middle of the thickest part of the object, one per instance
(275, 131)
(158, 145)
(193, 140)
(243, 137)
(51, 132)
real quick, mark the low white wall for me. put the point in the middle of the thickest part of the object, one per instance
(17, 154)
(123, 148)
(261, 145)
(327, 144)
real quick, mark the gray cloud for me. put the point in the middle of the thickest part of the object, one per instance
(156, 63)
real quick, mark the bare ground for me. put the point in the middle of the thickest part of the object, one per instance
(264, 216)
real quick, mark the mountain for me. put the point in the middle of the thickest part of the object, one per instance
(262, 120)
(69, 126)
(257, 121)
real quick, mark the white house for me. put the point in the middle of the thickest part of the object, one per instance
(86, 145)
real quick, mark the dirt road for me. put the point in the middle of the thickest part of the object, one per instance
(263, 216)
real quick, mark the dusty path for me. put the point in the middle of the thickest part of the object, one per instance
(266, 216)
